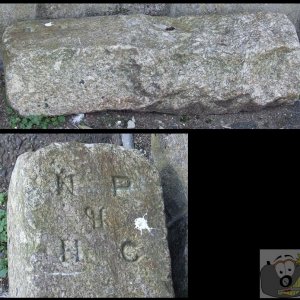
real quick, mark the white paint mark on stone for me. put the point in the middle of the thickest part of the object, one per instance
(49, 24)
(141, 223)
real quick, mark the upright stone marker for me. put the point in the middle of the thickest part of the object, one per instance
(210, 63)
(86, 221)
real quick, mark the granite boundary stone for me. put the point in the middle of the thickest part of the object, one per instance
(86, 220)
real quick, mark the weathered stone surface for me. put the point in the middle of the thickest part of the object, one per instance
(291, 10)
(74, 10)
(212, 63)
(73, 224)
(170, 155)
(14, 144)
(10, 13)
(153, 9)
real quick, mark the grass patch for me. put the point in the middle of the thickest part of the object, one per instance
(37, 122)
(184, 119)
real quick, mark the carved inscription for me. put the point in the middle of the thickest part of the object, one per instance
(96, 217)
(120, 183)
(129, 250)
(70, 251)
(64, 181)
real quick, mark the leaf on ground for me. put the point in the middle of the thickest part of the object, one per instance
(84, 127)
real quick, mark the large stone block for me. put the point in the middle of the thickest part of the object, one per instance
(86, 220)
(212, 64)
(170, 155)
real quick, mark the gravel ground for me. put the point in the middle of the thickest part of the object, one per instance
(283, 117)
